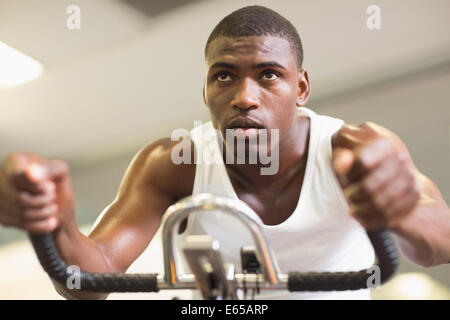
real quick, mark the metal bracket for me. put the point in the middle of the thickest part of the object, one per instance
(214, 278)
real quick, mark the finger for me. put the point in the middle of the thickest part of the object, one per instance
(14, 167)
(34, 177)
(36, 201)
(51, 170)
(19, 181)
(369, 157)
(37, 214)
(403, 205)
(373, 182)
(15, 163)
(393, 192)
(57, 168)
(41, 226)
(342, 162)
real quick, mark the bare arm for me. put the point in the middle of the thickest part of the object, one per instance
(385, 189)
(424, 235)
(127, 225)
(151, 184)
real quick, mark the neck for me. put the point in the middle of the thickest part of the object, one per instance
(293, 153)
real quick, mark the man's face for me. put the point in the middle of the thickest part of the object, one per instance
(253, 82)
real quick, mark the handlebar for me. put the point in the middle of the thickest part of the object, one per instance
(270, 279)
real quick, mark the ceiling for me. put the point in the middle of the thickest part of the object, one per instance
(129, 76)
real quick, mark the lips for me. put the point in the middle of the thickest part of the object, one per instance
(244, 123)
(246, 128)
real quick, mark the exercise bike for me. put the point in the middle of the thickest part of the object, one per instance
(215, 279)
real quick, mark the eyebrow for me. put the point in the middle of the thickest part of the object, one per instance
(254, 66)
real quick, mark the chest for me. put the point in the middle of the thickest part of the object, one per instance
(273, 205)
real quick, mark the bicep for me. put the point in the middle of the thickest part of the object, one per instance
(127, 226)
(129, 223)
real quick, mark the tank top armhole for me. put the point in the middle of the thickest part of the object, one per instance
(196, 188)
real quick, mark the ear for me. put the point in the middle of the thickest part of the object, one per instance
(204, 95)
(303, 88)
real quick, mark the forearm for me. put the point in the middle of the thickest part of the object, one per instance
(424, 235)
(77, 249)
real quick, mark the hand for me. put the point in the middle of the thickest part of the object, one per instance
(378, 181)
(35, 194)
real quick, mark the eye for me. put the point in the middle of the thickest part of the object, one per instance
(223, 76)
(270, 75)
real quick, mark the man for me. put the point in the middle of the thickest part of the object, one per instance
(254, 82)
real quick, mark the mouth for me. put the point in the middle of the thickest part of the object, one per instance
(244, 127)
(244, 124)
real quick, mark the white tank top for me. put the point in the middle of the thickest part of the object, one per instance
(318, 236)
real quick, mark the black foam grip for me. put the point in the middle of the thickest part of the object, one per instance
(387, 258)
(57, 269)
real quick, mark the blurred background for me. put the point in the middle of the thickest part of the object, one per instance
(134, 71)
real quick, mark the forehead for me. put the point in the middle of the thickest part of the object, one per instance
(253, 48)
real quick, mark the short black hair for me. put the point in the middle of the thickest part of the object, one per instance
(258, 21)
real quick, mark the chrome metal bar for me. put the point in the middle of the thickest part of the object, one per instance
(183, 208)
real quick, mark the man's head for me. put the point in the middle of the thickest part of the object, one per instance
(258, 21)
(253, 59)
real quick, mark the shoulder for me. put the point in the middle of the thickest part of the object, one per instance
(157, 165)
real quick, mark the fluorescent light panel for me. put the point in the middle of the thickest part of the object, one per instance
(16, 68)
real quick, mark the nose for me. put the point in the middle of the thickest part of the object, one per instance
(246, 97)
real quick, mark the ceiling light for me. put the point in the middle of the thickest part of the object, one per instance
(16, 68)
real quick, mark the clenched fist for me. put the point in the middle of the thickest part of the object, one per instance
(377, 176)
(35, 194)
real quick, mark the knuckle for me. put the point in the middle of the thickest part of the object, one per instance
(377, 177)
(415, 191)
(411, 177)
(384, 142)
(408, 182)
(364, 160)
(50, 210)
(23, 200)
(416, 188)
(61, 164)
(402, 157)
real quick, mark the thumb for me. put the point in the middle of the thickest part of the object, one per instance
(342, 162)
(51, 170)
